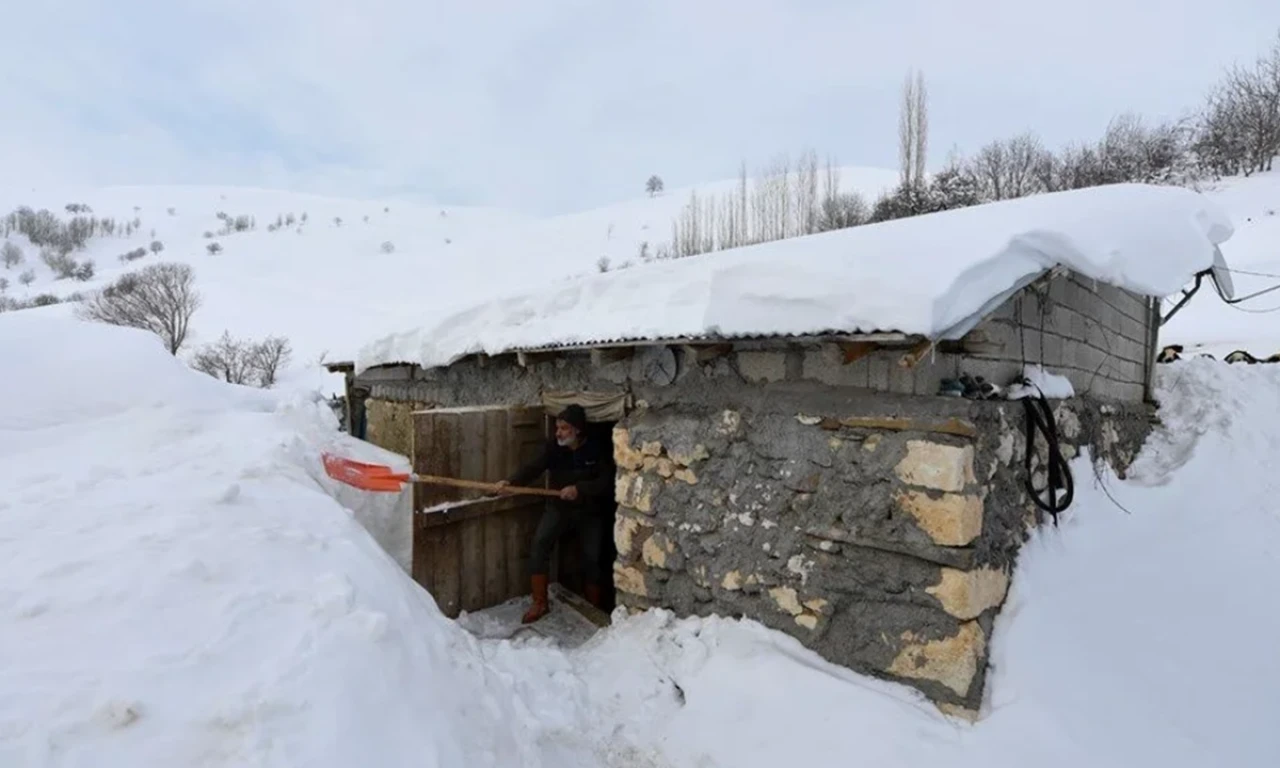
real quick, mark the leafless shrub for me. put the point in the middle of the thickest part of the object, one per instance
(268, 357)
(240, 361)
(11, 255)
(160, 298)
(59, 263)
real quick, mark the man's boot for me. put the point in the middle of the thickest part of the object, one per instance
(540, 606)
(593, 594)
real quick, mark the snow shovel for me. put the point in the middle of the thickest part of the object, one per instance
(379, 477)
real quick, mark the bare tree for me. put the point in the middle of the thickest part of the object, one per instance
(27, 277)
(160, 298)
(913, 130)
(807, 193)
(653, 186)
(990, 168)
(11, 254)
(267, 357)
(244, 362)
(227, 359)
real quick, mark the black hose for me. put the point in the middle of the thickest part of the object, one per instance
(1039, 416)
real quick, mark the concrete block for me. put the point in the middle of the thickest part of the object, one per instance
(1052, 353)
(878, 367)
(1000, 339)
(930, 372)
(1089, 358)
(826, 364)
(1080, 380)
(1069, 347)
(901, 378)
(1059, 321)
(1079, 326)
(1059, 292)
(1097, 334)
(763, 366)
(999, 372)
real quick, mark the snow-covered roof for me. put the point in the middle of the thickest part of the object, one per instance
(935, 276)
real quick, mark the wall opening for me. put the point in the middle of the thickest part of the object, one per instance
(569, 568)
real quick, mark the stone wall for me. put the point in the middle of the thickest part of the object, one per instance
(841, 502)
(880, 533)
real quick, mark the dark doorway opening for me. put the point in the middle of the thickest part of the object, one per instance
(568, 566)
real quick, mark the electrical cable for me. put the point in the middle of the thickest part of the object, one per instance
(1039, 417)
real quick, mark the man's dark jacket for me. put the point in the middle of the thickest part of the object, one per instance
(591, 468)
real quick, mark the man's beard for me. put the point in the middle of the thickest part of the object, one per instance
(564, 442)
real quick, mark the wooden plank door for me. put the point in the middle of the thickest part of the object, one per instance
(473, 555)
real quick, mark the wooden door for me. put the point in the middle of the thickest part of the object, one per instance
(473, 554)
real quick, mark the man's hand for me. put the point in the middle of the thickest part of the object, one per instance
(569, 493)
(502, 483)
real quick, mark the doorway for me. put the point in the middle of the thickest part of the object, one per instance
(567, 564)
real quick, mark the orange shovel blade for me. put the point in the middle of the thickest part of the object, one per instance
(367, 477)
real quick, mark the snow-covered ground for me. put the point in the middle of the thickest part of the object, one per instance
(329, 287)
(1207, 324)
(179, 586)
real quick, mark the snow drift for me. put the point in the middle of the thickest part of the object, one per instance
(177, 586)
(935, 275)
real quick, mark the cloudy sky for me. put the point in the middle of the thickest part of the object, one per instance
(556, 105)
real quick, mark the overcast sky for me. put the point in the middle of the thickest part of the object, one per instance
(557, 105)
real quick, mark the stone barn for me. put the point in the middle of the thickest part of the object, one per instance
(799, 429)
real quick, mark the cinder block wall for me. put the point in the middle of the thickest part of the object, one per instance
(1100, 337)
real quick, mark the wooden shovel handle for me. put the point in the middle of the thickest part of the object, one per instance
(510, 490)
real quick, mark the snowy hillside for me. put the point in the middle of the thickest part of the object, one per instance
(353, 270)
(1253, 253)
(178, 586)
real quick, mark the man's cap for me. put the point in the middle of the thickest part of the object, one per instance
(575, 416)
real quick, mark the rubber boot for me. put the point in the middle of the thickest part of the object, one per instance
(593, 594)
(540, 606)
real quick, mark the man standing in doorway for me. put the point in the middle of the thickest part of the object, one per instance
(582, 469)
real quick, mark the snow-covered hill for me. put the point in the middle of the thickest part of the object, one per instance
(356, 270)
(328, 283)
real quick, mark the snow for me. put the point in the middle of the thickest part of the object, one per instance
(934, 275)
(1040, 382)
(179, 586)
(1209, 325)
(330, 288)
